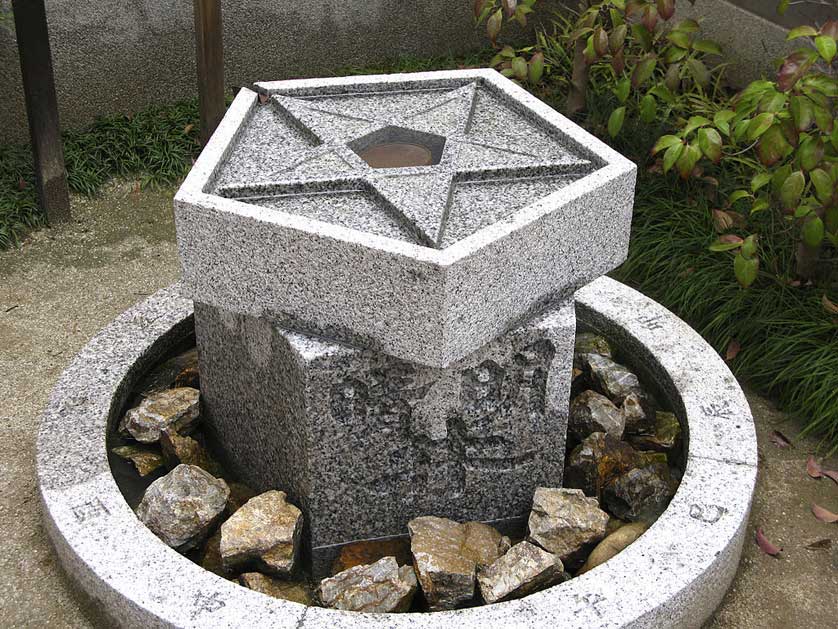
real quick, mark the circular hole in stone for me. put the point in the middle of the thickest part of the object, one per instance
(399, 147)
(397, 155)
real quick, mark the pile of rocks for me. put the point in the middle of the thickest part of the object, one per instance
(623, 448)
(621, 472)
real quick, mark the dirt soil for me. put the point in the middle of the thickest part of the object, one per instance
(67, 282)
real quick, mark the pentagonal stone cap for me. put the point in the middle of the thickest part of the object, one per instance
(421, 215)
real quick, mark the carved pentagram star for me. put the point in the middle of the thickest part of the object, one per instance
(419, 196)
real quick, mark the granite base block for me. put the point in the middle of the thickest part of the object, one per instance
(363, 441)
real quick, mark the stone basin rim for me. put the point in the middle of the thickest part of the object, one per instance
(674, 575)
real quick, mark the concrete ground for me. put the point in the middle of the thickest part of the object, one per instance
(66, 283)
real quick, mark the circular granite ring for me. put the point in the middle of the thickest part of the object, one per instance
(674, 575)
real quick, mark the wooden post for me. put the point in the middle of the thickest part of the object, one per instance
(210, 61)
(42, 108)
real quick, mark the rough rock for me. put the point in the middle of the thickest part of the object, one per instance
(521, 571)
(642, 493)
(144, 459)
(664, 437)
(636, 415)
(446, 555)
(182, 506)
(370, 551)
(564, 521)
(590, 343)
(596, 461)
(173, 408)
(179, 449)
(613, 379)
(593, 412)
(295, 591)
(265, 532)
(376, 588)
(165, 375)
(612, 544)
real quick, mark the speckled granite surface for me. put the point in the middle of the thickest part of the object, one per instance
(364, 442)
(518, 206)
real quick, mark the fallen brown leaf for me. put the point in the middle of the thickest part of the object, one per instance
(831, 474)
(733, 349)
(821, 544)
(779, 439)
(813, 469)
(21, 184)
(824, 515)
(828, 305)
(188, 128)
(264, 98)
(767, 547)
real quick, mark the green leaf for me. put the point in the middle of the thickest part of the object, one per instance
(760, 125)
(673, 153)
(749, 247)
(710, 143)
(699, 71)
(803, 210)
(745, 270)
(622, 89)
(615, 121)
(694, 123)
(779, 177)
(519, 68)
(760, 205)
(680, 39)
(708, 46)
(719, 246)
(643, 70)
(812, 232)
(773, 146)
(493, 25)
(826, 47)
(773, 102)
(687, 26)
(801, 31)
(823, 119)
(791, 189)
(736, 195)
(648, 109)
(810, 153)
(643, 37)
(536, 67)
(665, 142)
(687, 161)
(823, 184)
(662, 92)
(783, 7)
(617, 37)
(740, 129)
(802, 112)
(759, 180)
(674, 54)
(722, 120)
(833, 138)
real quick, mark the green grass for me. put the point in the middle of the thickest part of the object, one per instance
(156, 144)
(789, 342)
